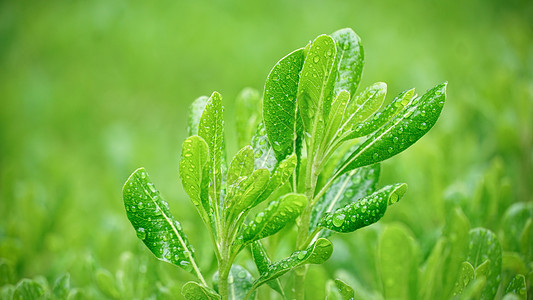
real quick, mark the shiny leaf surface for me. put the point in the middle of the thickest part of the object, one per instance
(262, 261)
(242, 165)
(484, 246)
(194, 291)
(349, 61)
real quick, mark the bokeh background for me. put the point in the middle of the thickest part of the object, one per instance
(91, 90)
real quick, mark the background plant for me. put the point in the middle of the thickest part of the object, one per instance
(92, 90)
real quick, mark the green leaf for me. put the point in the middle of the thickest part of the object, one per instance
(397, 263)
(279, 103)
(195, 113)
(211, 130)
(6, 272)
(195, 175)
(106, 283)
(240, 281)
(7, 291)
(515, 226)
(485, 246)
(247, 114)
(364, 212)
(155, 226)
(62, 286)
(317, 253)
(242, 165)
(402, 131)
(243, 194)
(194, 291)
(338, 289)
(262, 261)
(349, 61)
(265, 157)
(346, 189)
(281, 174)
(28, 289)
(518, 286)
(271, 220)
(466, 275)
(314, 92)
(336, 115)
(380, 118)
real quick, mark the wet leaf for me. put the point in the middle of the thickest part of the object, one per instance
(336, 114)
(262, 261)
(518, 287)
(195, 175)
(243, 194)
(211, 130)
(240, 281)
(61, 286)
(195, 113)
(265, 157)
(413, 122)
(349, 61)
(281, 174)
(247, 114)
(338, 289)
(314, 92)
(155, 226)
(28, 289)
(194, 291)
(466, 275)
(346, 189)
(279, 103)
(271, 220)
(484, 246)
(242, 165)
(364, 212)
(317, 253)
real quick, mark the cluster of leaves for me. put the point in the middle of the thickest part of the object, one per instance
(313, 159)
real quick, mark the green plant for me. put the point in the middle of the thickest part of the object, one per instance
(314, 159)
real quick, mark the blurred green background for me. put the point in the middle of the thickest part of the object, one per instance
(91, 90)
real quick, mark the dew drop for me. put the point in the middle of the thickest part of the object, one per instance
(241, 274)
(301, 255)
(141, 233)
(338, 220)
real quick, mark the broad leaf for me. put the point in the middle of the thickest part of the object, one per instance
(349, 61)
(380, 118)
(484, 246)
(265, 158)
(211, 130)
(346, 189)
(466, 275)
(314, 92)
(194, 291)
(279, 103)
(195, 175)
(28, 289)
(242, 165)
(247, 114)
(156, 227)
(240, 282)
(402, 131)
(397, 263)
(364, 212)
(517, 286)
(338, 289)
(271, 220)
(262, 261)
(195, 113)
(317, 253)
(243, 194)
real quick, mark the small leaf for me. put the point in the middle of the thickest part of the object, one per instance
(279, 103)
(106, 283)
(271, 220)
(62, 286)
(349, 61)
(336, 115)
(194, 174)
(247, 108)
(346, 189)
(242, 165)
(265, 157)
(314, 92)
(243, 194)
(240, 281)
(28, 289)
(194, 291)
(338, 289)
(518, 286)
(262, 261)
(398, 134)
(317, 253)
(211, 130)
(484, 246)
(195, 113)
(380, 118)
(155, 226)
(474, 290)
(397, 263)
(466, 275)
(281, 174)
(364, 212)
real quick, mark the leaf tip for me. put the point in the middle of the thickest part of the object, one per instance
(397, 193)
